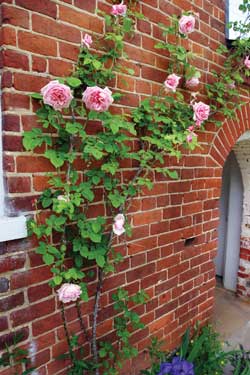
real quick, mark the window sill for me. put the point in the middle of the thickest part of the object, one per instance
(12, 228)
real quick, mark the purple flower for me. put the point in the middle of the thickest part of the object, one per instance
(165, 368)
(181, 367)
(178, 366)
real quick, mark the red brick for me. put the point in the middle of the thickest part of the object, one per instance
(13, 101)
(8, 35)
(147, 217)
(46, 324)
(160, 323)
(168, 262)
(39, 292)
(19, 184)
(84, 20)
(8, 339)
(142, 245)
(12, 143)
(55, 29)
(14, 59)
(140, 272)
(7, 79)
(37, 43)
(11, 123)
(60, 68)
(88, 5)
(33, 164)
(42, 6)
(24, 279)
(11, 302)
(15, 16)
(68, 51)
(32, 312)
(12, 263)
(25, 82)
(3, 323)
(38, 64)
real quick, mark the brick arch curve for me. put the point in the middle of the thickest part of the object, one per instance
(227, 135)
(221, 144)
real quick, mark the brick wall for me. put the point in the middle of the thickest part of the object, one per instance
(174, 243)
(241, 150)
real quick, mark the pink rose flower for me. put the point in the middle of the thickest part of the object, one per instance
(192, 82)
(87, 40)
(172, 82)
(97, 99)
(69, 292)
(118, 226)
(247, 62)
(57, 95)
(201, 112)
(119, 10)
(186, 24)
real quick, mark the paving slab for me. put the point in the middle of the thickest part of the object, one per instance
(232, 318)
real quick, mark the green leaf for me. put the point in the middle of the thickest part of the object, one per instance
(95, 237)
(57, 279)
(100, 260)
(73, 82)
(48, 259)
(97, 64)
(55, 158)
(36, 95)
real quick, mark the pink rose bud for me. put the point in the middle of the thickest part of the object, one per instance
(87, 40)
(192, 82)
(69, 292)
(191, 135)
(118, 226)
(172, 82)
(186, 24)
(97, 99)
(57, 95)
(191, 128)
(247, 62)
(231, 85)
(201, 112)
(119, 10)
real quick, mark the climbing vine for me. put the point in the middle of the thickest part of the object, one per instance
(88, 143)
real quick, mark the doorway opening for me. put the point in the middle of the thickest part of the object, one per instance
(229, 232)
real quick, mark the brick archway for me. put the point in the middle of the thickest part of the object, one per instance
(226, 137)
(222, 143)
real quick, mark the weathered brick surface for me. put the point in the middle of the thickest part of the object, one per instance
(175, 224)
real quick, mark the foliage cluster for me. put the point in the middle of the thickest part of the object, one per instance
(205, 350)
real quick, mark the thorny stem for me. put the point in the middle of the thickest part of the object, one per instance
(66, 332)
(96, 310)
(99, 290)
(83, 328)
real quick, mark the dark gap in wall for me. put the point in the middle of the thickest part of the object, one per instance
(189, 241)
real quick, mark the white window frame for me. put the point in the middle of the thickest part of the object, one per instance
(13, 227)
(233, 14)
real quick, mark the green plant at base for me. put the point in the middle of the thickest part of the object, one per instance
(205, 350)
(14, 356)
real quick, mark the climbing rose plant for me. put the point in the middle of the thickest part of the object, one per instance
(78, 246)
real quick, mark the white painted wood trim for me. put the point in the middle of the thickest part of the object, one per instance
(234, 14)
(12, 228)
(1, 161)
